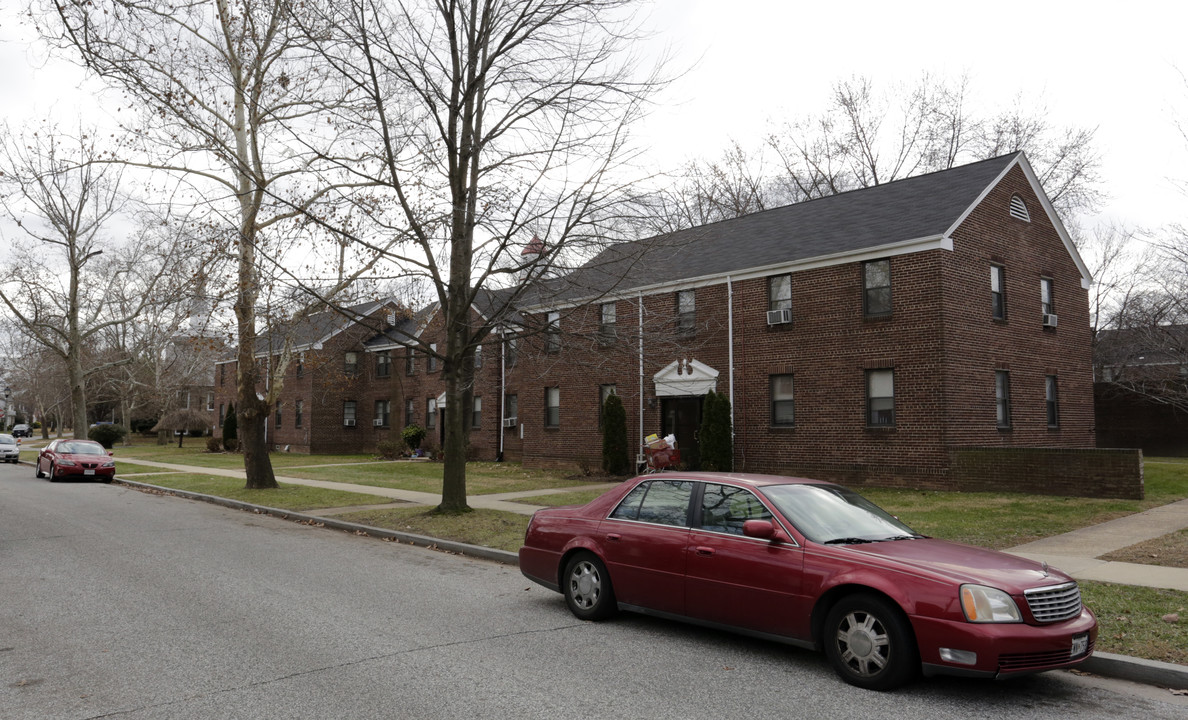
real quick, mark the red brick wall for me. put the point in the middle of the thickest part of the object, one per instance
(1061, 471)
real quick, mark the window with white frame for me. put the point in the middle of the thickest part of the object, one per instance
(1052, 401)
(431, 359)
(553, 333)
(299, 413)
(511, 408)
(686, 310)
(410, 362)
(782, 403)
(350, 363)
(511, 350)
(604, 392)
(998, 292)
(431, 413)
(348, 413)
(383, 412)
(880, 398)
(607, 331)
(779, 292)
(278, 415)
(478, 357)
(876, 288)
(1046, 296)
(1002, 398)
(476, 413)
(383, 364)
(553, 407)
(410, 412)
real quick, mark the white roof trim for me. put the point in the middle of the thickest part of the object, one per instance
(1021, 161)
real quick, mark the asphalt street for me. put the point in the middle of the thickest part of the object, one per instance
(116, 603)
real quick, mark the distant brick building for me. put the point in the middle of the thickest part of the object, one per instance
(868, 337)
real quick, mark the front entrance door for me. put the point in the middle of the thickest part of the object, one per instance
(681, 416)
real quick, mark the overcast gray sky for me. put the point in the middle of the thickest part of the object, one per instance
(756, 63)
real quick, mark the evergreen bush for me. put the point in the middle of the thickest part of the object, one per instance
(716, 436)
(615, 453)
(107, 435)
(231, 430)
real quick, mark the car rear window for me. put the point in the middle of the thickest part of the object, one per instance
(665, 502)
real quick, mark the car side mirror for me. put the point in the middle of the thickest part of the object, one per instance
(762, 529)
(111, 453)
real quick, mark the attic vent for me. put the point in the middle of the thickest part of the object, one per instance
(391, 318)
(1019, 209)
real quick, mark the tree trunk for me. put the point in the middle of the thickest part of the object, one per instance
(455, 447)
(162, 437)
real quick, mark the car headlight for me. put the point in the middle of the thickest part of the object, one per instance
(988, 605)
(64, 461)
(109, 463)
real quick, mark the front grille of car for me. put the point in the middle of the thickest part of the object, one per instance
(1055, 603)
(1021, 662)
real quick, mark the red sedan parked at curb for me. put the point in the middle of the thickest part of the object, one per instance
(84, 459)
(812, 564)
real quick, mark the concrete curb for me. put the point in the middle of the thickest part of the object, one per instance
(1147, 672)
(1122, 667)
(458, 548)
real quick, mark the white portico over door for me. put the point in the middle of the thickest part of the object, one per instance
(681, 387)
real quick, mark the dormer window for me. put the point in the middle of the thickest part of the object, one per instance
(1019, 209)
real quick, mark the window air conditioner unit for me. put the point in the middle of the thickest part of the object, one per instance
(349, 422)
(509, 422)
(377, 422)
(779, 317)
(1049, 320)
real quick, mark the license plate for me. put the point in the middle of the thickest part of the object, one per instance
(92, 472)
(1080, 645)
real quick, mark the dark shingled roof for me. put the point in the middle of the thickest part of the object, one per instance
(924, 206)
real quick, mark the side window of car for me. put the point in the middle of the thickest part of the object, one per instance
(667, 503)
(628, 508)
(725, 508)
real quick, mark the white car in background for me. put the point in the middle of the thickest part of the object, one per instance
(10, 450)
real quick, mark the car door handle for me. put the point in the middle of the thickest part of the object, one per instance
(703, 550)
(614, 537)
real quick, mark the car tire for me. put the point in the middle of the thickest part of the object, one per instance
(870, 643)
(587, 588)
(53, 476)
(37, 469)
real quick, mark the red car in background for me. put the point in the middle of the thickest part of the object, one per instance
(812, 564)
(85, 459)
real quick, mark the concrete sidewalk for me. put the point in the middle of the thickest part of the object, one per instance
(500, 501)
(1076, 552)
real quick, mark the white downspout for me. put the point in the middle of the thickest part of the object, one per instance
(502, 390)
(730, 345)
(640, 434)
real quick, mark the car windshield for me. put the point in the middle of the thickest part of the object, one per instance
(7, 440)
(81, 448)
(834, 514)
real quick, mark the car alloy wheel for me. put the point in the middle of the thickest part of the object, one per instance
(53, 476)
(37, 469)
(870, 643)
(587, 588)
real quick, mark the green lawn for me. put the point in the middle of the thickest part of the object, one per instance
(1130, 620)
(488, 528)
(482, 478)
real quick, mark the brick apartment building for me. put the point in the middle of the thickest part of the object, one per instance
(893, 335)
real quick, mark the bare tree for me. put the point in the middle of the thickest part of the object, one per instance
(232, 101)
(866, 137)
(66, 204)
(492, 122)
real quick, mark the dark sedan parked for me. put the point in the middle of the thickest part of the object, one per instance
(812, 564)
(84, 459)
